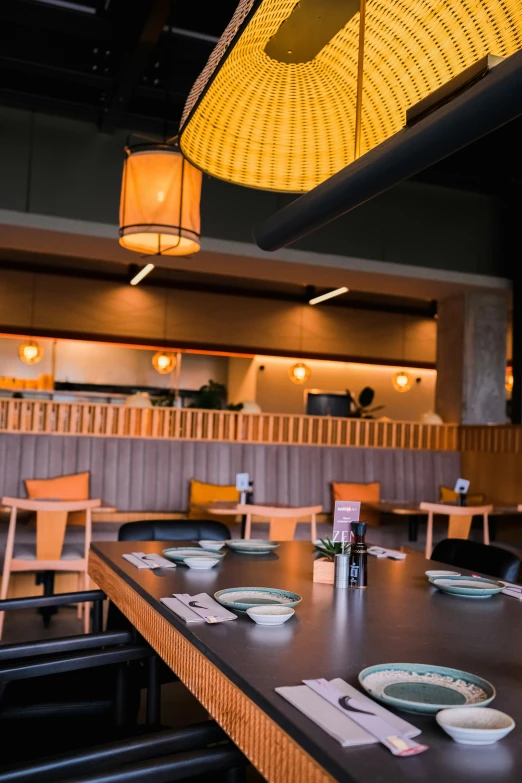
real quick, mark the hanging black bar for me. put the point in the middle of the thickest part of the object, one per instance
(493, 101)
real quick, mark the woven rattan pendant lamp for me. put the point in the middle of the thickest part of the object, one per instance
(295, 90)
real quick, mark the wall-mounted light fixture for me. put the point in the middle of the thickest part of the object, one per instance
(299, 373)
(328, 295)
(401, 381)
(164, 362)
(30, 352)
(509, 379)
(143, 272)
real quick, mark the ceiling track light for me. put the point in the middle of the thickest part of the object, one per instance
(144, 271)
(328, 295)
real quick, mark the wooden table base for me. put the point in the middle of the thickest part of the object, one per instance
(270, 749)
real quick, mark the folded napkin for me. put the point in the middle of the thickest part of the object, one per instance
(142, 560)
(393, 554)
(205, 606)
(515, 591)
(339, 726)
(184, 612)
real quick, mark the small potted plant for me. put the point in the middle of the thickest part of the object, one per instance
(324, 566)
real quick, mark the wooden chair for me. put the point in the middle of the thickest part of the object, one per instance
(49, 554)
(459, 523)
(366, 493)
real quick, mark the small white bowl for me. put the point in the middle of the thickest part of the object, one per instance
(200, 563)
(270, 615)
(475, 725)
(431, 574)
(212, 546)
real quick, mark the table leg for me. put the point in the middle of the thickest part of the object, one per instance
(429, 536)
(413, 527)
(486, 529)
(243, 525)
(282, 528)
(313, 528)
(492, 524)
(248, 525)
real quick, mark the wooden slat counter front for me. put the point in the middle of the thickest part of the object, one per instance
(233, 668)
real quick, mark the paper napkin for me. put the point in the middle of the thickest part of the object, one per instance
(379, 551)
(142, 560)
(184, 612)
(205, 606)
(339, 726)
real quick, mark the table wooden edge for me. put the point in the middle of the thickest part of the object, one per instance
(278, 757)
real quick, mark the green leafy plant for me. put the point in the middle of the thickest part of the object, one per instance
(330, 548)
(361, 407)
(212, 396)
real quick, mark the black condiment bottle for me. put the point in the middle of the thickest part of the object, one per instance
(358, 556)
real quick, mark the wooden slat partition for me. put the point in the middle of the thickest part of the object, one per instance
(64, 418)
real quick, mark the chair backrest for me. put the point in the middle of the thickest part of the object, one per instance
(74, 486)
(448, 495)
(201, 494)
(366, 493)
(491, 560)
(51, 521)
(174, 530)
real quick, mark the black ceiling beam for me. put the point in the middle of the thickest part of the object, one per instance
(491, 102)
(136, 36)
(39, 16)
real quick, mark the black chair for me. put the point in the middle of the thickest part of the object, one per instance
(491, 560)
(84, 686)
(162, 757)
(174, 530)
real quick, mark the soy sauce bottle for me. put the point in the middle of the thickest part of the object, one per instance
(358, 576)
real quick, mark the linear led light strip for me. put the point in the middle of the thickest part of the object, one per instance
(329, 295)
(141, 274)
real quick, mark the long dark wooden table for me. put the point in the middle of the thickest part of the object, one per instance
(232, 668)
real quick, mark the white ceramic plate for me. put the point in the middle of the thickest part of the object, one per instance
(201, 563)
(476, 725)
(252, 546)
(270, 615)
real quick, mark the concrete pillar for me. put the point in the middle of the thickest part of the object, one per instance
(471, 358)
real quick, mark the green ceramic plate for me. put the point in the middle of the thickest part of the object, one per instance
(420, 688)
(467, 586)
(179, 553)
(243, 598)
(252, 546)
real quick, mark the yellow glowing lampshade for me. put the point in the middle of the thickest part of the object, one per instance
(159, 206)
(299, 373)
(275, 107)
(509, 379)
(401, 381)
(30, 352)
(164, 362)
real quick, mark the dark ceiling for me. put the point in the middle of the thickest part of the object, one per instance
(110, 62)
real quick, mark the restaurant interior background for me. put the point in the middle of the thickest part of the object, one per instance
(242, 307)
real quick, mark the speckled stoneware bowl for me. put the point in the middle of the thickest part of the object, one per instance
(252, 546)
(179, 553)
(477, 726)
(467, 586)
(201, 563)
(270, 615)
(239, 599)
(420, 688)
(212, 546)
